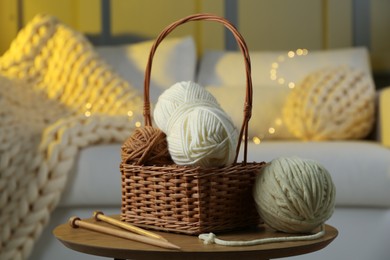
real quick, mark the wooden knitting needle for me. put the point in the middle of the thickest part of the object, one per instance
(98, 215)
(76, 222)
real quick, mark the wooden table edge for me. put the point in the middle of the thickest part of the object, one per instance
(257, 252)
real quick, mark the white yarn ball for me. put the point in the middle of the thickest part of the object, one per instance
(294, 195)
(177, 95)
(201, 135)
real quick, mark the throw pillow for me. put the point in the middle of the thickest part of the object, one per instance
(222, 68)
(266, 121)
(334, 103)
(174, 61)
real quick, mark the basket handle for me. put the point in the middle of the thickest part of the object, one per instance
(244, 49)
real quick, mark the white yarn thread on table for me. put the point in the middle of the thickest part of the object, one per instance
(199, 132)
(211, 238)
(177, 95)
(294, 195)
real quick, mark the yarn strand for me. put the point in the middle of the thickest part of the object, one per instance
(211, 238)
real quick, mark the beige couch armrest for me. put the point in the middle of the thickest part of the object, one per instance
(384, 116)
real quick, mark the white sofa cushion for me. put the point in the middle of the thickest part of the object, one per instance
(95, 179)
(174, 61)
(223, 68)
(267, 120)
(360, 171)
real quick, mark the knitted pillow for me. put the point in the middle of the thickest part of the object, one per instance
(331, 104)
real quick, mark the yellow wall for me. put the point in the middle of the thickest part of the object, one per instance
(380, 35)
(88, 15)
(211, 35)
(281, 24)
(149, 17)
(265, 24)
(8, 23)
(82, 15)
(139, 18)
(63, 9)
(337, 23)
(143, 17)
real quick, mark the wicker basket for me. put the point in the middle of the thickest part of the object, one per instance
(192, 200)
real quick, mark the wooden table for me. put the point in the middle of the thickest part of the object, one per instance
(192, 248)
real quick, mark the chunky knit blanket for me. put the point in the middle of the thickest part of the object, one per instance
(56, 97)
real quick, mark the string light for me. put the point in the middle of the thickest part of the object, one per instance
(278, 121)
(256, 140)
(88, 107)
(275, 76)
(291, 85)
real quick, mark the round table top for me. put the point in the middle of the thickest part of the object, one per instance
(94, 243)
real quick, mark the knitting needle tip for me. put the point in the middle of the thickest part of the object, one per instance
(99, 216)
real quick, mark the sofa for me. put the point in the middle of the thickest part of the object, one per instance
(360, 168)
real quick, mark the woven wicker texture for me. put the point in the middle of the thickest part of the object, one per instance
(56, 97)
(331, 104)
(189, 200)
(192, 200)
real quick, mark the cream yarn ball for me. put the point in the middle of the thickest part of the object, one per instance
(331, 104)
(199, 132)
(201, 135)
(177, 95)
(294, 195)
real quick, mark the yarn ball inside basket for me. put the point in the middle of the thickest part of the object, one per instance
(177, 95)
(200, 134)
(294, 195)
(146, 146)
